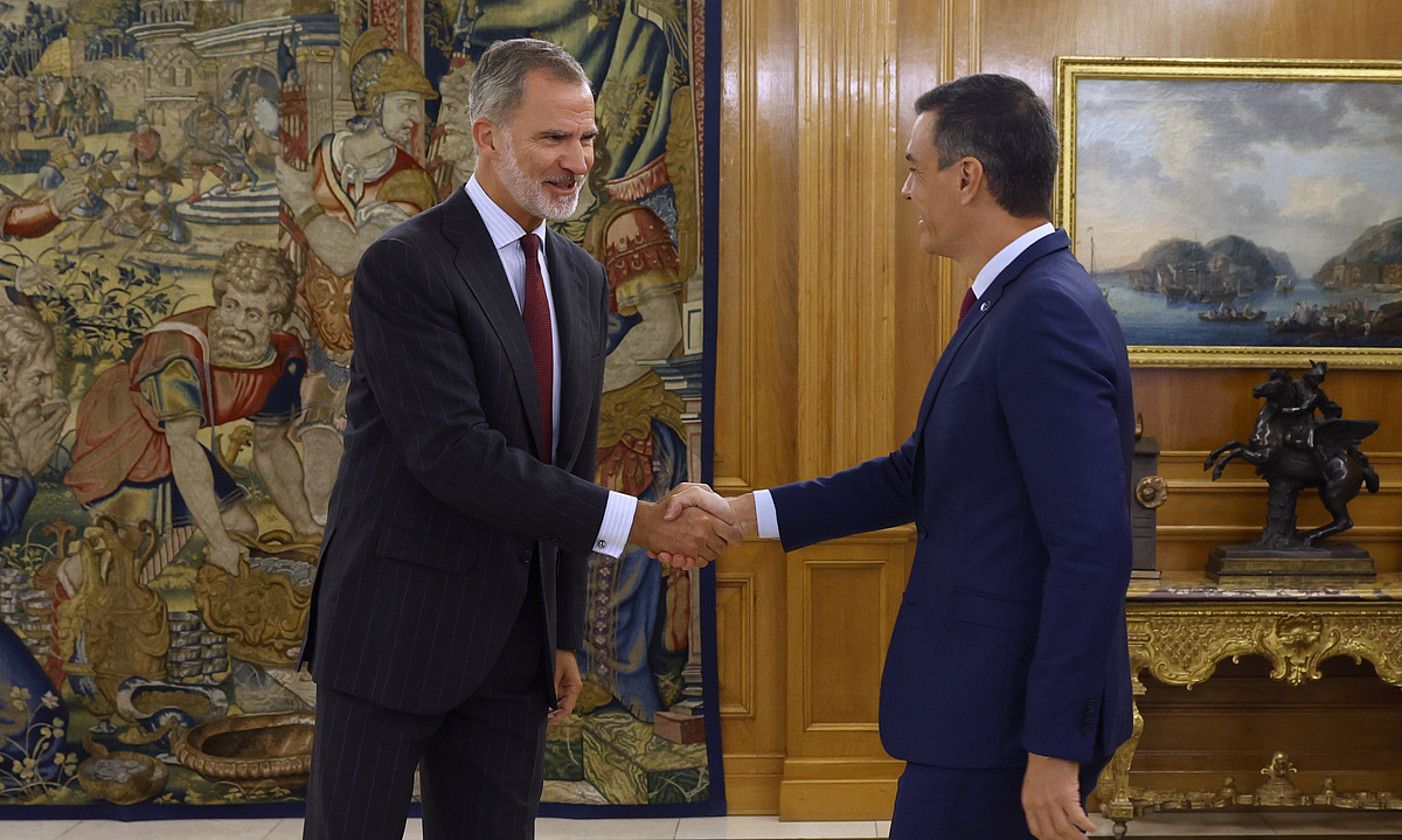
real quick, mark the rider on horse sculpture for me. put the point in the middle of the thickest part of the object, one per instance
(1294, 449)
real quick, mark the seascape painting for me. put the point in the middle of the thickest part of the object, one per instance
(1238, 214)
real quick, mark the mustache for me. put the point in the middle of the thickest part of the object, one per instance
(235, 333)
(566, 180)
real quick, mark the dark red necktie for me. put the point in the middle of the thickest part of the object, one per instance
(969, 300)
(536, 314)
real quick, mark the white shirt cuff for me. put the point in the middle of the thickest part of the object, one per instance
(766, 517)
(617, 524)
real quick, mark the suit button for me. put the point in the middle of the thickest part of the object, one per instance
(920, 532)
(525, 557)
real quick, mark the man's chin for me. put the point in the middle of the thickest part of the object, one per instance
(241, 355)
(555, 211)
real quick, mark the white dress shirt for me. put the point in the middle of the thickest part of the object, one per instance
(506, 235)
(766, 517)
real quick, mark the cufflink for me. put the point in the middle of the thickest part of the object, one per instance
(601, 545)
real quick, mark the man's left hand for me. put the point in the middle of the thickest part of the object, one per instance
(1051, 799)
(567, 685)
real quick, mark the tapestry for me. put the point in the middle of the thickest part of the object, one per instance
(187, 180)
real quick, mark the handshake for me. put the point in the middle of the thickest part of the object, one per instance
(692, 526)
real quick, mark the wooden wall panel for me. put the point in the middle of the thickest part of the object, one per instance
(736, 614)
(756, 361)
(843, 639)
(751, 640)
(846, 297)
(843, 597)
(830, 320)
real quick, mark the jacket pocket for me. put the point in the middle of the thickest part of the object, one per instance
(997, 611)
(435, 551)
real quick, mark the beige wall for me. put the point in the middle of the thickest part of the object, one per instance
(830, 321)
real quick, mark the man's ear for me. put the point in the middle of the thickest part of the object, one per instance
(970, 179)
(485, 135)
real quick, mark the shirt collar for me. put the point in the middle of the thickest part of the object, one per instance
(1005, 257)
(503, 229)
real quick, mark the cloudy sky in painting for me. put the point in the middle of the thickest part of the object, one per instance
(1300, 167)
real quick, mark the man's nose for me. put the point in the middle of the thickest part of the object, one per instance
(578, 160)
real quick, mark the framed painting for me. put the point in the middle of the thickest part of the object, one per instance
(1238, 212)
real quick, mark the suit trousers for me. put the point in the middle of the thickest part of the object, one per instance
(961, 803)
(481, 763)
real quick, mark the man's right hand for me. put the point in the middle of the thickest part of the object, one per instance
(740, 511)
(695, 533)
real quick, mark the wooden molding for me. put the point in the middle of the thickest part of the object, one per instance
(847, 787)
(846, 302)
(731, 485)
(752, 782)
(735, 601)
(755, 356)
(834, 581)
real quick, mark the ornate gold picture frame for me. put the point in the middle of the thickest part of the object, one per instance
(1238, 212)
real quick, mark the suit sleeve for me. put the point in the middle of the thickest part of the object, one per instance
(572, 571)
(868, 497)
(1057, 383)
(419, 367)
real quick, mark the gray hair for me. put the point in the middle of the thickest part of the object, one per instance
(499, 82)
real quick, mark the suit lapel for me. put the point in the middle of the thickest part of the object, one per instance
(481, 270)
(1048, 244)
(574, 349)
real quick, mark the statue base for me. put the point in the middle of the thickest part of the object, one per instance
(1337, 565)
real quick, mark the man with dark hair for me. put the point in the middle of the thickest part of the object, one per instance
(449, 607)
(1006, 686)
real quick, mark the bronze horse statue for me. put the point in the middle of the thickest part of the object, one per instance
(1295, 450)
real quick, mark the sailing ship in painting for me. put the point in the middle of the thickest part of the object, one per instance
(1225, 313)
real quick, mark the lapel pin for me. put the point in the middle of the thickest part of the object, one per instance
(983, 307)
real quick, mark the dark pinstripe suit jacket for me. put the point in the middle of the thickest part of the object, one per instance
(441, 502)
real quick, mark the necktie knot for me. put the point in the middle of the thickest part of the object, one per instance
(530, 244)
(968, 303)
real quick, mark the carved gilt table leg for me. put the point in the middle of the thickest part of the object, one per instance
(1115, 800)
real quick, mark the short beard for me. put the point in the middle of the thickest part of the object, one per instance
(402, 143)
(531, 195)
(225, 349)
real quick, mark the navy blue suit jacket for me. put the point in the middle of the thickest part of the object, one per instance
(1011, 636)
(442, 507)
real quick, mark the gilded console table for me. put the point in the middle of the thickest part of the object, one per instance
(1181, 626)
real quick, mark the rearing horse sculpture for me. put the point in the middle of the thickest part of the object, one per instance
(1294, 450)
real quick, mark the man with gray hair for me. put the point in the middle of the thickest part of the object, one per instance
(449, 602)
